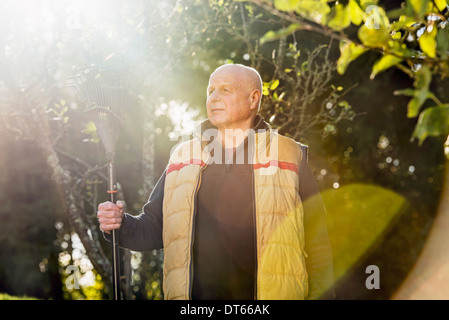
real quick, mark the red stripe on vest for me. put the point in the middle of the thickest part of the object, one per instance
(180, 165)
(280, 164)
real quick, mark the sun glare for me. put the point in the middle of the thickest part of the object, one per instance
(183, 118)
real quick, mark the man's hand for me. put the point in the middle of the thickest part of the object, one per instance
(110, 215)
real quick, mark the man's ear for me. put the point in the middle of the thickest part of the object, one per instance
(255, 98)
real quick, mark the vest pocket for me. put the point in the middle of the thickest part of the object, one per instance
(282, 272)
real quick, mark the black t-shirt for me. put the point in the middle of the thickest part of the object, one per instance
(224, 240)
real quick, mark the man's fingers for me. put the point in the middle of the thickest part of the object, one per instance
(109, 209)
(109, 214)
(109, 227)
(108, 205)
(110, 220)
(107, 224)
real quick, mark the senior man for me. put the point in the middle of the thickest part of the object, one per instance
(237, 210)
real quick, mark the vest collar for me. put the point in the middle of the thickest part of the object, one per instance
(205, 133)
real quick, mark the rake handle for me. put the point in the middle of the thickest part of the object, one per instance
(112, 190)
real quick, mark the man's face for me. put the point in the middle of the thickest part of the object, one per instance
(228, 99)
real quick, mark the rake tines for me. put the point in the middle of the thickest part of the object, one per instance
(104, 93)
(105, 99)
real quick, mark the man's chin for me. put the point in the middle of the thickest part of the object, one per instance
(217, 121)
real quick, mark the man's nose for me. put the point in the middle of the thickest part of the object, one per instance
(213, 97)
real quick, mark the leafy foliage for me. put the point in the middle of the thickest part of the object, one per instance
(413, 37)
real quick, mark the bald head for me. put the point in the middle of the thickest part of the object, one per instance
(248, 75)
(233, 96)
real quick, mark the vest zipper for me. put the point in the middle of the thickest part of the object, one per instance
(193, 228)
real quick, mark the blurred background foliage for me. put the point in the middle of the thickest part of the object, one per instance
(375, 181)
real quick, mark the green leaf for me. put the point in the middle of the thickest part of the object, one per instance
(356, 13)
(349, 51)
(387, 61)
(278, 34)
(427, 41)
(411, 93)
(415, 104)
(341, 17)
(421, 94)
(441, 4)
(443, 42)
(404, 92)
(265, 89)
(375, 32)
(315, 10)
(274, 84)
(423, 78)
(376, 18)
(372, 37)
(419, 6)
(432, 121)
(286, 5)
(403, 21)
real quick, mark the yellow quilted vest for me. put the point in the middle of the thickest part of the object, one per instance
(280, 267)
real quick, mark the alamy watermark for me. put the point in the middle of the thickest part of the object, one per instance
(75, 278)
(264, 142)
(373, 17)
(373, 280)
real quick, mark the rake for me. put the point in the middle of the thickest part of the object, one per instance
(105, 98)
